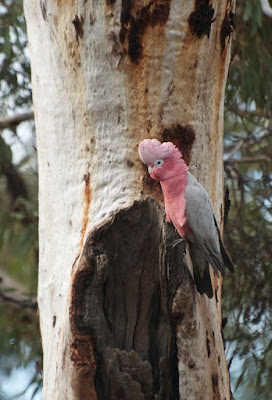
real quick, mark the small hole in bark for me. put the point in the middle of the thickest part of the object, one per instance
(191, 364)
(43, 8)
(215, 385)
(177, 318)
(78, 24)
(208, 345)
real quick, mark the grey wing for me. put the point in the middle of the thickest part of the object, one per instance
(200, 218)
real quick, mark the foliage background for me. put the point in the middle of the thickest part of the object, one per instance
(247, 300)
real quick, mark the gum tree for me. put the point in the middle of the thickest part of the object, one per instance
(120, 316)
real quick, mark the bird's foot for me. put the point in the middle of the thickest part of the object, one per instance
(176, 242)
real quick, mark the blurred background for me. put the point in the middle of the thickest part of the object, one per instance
(247, 298)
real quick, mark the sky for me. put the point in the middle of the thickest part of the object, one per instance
(11, 386)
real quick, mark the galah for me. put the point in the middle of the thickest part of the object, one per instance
(188, 206)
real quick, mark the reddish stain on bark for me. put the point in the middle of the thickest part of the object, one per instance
(82, 356)
(216, 296)
(87, 201)
(74, 263)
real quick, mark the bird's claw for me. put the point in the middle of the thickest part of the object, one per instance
(176, 242)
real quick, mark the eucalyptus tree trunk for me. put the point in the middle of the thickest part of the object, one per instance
(120, 316)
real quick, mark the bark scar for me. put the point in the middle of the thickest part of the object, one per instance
(82, 356)
(156, 12)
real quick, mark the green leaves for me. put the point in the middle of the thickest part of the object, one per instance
(247, 297)
(250, 78)
(19, 333)
(14, 63)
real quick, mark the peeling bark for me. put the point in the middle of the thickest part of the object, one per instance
(120, 316)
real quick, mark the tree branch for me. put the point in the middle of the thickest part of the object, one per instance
(236, 148)
(248, 114)
(15, 120)
(249, 159)
(245, 143)
(266, 8)
(21, 303)
(18, 297)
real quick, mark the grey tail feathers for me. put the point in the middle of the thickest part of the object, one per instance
(225, 255)
(201, 270)
(203, 283)
(215, 262)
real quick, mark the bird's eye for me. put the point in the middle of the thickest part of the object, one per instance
(158, 163)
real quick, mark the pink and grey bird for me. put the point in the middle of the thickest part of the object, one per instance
(188, 206)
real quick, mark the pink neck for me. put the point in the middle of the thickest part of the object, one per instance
(174, 186)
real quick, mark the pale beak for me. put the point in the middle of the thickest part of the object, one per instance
(150, 169)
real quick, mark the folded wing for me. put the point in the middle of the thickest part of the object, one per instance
(201, 220)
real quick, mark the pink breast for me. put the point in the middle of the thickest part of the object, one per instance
(175, 203)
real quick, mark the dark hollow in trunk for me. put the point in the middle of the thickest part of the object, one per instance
(122, 301)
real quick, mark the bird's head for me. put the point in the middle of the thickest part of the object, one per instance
(164, 160)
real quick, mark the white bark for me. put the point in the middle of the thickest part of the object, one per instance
(93, 105)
